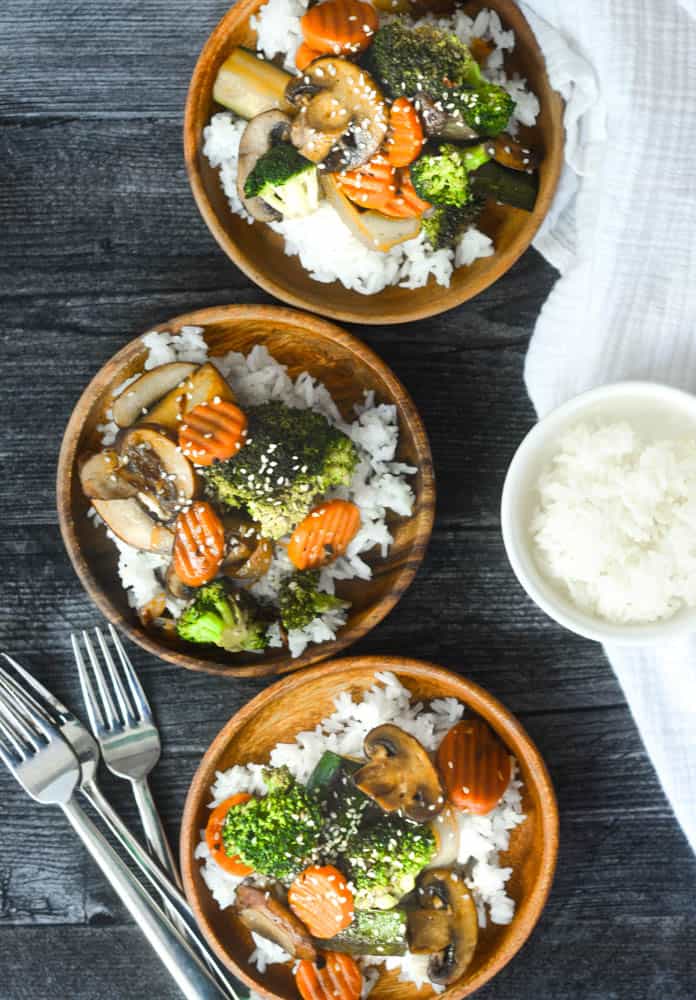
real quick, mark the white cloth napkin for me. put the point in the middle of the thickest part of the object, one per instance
(622, 232)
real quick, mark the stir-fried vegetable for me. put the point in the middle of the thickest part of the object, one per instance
(212, 432)
(231, 620)
(320, 897)
(474, 765)
(291, 456)
(213, 836)
(405, 140)
(339, 26)
(277, 834)
(332, 976)
(285, 180)
(324, 535)
(199, 544)
(301, 601)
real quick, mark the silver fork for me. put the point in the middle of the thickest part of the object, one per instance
(128, 739)
(86, 750)
(44, 765)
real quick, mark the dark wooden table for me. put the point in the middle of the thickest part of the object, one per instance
(99, 238)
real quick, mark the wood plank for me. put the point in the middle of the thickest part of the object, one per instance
(106, 210)
(464, 610)
(125, 58)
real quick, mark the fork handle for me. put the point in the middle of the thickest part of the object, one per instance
(157, 878)
(155, 836)
(180, 961)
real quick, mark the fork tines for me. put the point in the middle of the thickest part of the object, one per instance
(121, 700)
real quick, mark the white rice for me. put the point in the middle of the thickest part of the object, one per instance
(379, 483)
(326, 247)
(481, 838)
(615, 524)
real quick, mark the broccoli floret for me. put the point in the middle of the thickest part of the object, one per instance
(434, 62)
(276, 835)
(426, 59)
(301, 600)
(446, 223)
(289, 457)
(285, 180)
(440, 176)
(384, 860)
(486, 109)
(230, 620)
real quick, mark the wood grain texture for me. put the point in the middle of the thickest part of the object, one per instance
(259, 252)
(303, 343)
(298, 704)
(101, 239)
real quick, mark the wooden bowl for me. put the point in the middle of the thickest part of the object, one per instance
(258, 251)
(303, 343)
(298, 703)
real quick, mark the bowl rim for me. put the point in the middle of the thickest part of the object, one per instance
(192, 149)
(424, 513)
(502, 720)
(543, 592)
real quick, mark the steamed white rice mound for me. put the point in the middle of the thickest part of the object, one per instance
(615, 523)
(326, 247)
(379, 482)
(481, 838)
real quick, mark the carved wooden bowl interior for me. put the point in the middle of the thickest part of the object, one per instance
(299, 702)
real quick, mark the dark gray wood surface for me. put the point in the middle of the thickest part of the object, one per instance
(99, 238)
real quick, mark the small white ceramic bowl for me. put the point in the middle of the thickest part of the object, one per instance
(658, 412)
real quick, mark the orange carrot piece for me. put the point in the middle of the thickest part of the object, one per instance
(405, 140)
(474, 765)
(305, 55)
(407, 203)
(371, 186)
(332, 976)
(199, 544)
(212, 432)
(324, 535)
(213, 836)
(379, 186)
(339, 27)
(480, 50)
(320, 897)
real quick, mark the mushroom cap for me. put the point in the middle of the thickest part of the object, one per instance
(444, 892)
(342, 118)
(400, 775)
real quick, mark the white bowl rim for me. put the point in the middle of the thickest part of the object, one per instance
(543, 593)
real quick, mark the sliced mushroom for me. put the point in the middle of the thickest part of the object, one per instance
(258, 137)
(151, 386)
(175, 586)
(437, 121)
(447, 913)
(342, 118)
(133, 525)
(428, 931)
(400, 775)
(511, 153)
(152, 610)
(101, 480)
(202, 386)
(248, 554)
(154, 466)
(262, 913)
